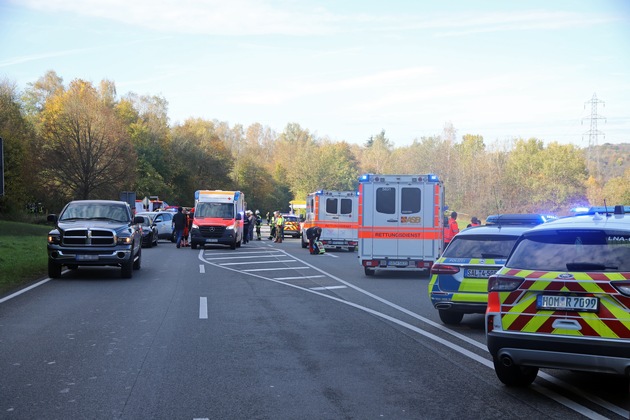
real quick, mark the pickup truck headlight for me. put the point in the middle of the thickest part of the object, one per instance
(124, 240)
(54, 239)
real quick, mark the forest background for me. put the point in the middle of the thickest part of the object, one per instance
(81, 141)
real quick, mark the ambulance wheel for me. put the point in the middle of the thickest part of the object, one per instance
(450, 317)
(514, 375)
(369, 271)
(233, 245)
(352, 248)
(304, 245)
(193, 245)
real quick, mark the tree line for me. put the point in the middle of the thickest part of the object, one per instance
(83, 141)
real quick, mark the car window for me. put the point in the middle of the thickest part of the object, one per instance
(573, 250)
(480, 246)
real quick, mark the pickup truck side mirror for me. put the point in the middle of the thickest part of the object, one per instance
(52, 218)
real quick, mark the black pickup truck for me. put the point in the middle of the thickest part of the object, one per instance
(95, 233)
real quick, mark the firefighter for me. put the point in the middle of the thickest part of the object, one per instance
(450, 228)
(258, 222)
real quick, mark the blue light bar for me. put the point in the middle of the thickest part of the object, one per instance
(364, 178)
(433, 178)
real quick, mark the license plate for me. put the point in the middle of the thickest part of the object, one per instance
(212, 240)
(567, 303)
(87, 257)
(397, 263)
(477, 273)
(337, 242)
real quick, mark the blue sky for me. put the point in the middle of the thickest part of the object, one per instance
(344, 69)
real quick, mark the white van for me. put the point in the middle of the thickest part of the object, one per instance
(400, 223)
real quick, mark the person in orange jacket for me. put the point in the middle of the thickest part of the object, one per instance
(451, 229)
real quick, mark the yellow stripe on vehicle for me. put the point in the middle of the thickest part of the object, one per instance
(600, 327)
(470, 297)
(474, 285)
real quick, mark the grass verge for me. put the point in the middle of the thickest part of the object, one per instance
(23, 256)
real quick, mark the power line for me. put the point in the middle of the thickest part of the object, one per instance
(594, 133)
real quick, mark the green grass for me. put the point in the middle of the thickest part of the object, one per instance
(23, 255)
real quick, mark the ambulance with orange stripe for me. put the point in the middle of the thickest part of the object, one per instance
(336, 213)
(218, 218)
(562, 299)
(400, 222)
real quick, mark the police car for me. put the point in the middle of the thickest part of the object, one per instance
(459, 278)
(562, 300)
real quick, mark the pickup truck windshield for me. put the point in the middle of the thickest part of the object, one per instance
(94, 211)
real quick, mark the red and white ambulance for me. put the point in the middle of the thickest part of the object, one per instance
(400, 222)
(336, 212)
(218, 218)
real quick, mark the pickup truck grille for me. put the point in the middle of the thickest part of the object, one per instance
(88, 237)
(212, 231)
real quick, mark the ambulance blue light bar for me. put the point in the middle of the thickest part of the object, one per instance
(385, 178)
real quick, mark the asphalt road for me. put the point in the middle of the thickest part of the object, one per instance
(263, 332)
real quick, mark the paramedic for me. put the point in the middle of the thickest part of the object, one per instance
(313, 234)
(451, 229)
(474, 222)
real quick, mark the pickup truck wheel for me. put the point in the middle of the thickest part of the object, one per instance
(54, 270)
(514, 375)
(450, 317)
(126, 270)
(138, 263)
(369, 271)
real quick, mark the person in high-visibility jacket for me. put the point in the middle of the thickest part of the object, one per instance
(279, 221)
(451, 229)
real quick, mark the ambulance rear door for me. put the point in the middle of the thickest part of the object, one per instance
(402, 213)
(339, 213)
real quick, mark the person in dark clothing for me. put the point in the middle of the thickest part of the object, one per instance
(313, 234)
(178, 224)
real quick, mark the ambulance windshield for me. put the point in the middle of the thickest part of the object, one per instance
(218, 210)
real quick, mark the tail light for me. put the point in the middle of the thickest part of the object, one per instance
(499, 283)
(444, 269)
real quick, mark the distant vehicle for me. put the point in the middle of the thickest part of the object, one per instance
(291, 225)
(149, 231)
(531, 219)
(459, 279)
(95, 233)
(562, 300)
(336, 212)
(163, 221)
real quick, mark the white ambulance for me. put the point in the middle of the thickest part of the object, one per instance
(218, 218)
(400, 222)
(336, 212)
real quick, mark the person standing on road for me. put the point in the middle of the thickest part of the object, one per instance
(279, 227)
(246, 222)
(178, 224)
(258, 223)
(451, 229)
